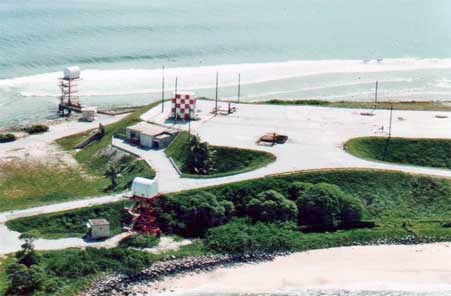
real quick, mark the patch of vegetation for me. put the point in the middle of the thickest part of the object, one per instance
(69, 223)
(36, 129)
(67, 272)
(389, 199)
(420, 152)
(25, 184)
(243, 236)
(405, 105)
(5, 138)
(140, 241)
(193, 214)
(197, 159)
(326, 207)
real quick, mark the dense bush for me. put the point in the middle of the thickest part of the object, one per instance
(241, 236)
(5, 138)
(326, 207)
(140, 241)
(297, 188)
(271, 206)
(192, 215)
(36, 129)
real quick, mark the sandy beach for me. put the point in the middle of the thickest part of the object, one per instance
(417, 268)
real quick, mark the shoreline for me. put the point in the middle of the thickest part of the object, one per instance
(413, 268)
(376, 268)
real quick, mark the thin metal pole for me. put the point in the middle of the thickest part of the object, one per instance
(189, 122)
(239, 87)
(217, 80)
(389, 133)
(375, 95)
(176, 80)
(162, 93)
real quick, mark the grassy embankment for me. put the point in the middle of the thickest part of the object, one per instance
(398, 203)
(405, 209)
(25, 183)
(420, 152)
(227, 160)
(412, 105)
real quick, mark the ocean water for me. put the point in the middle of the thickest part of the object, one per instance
(309, 49)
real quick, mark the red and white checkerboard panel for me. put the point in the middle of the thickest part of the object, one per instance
(181, 105)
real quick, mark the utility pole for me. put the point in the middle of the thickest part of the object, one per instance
(162, 93)
(217, 81)
(375, 96)
(239, 87)
(189, 122)
(389, 133)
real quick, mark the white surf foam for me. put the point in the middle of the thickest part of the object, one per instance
(147, 81)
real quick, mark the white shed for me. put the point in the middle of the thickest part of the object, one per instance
(89, 113)
(143, 187)
(72, 72)
(99, 228)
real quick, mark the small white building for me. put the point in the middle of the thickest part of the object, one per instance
(150, 135)
(89, 113)
(99, 228)
(72, 72)
(145, 188)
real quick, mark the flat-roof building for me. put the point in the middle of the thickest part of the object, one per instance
(150, 135)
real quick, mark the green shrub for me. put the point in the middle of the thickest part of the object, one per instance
(192, 215)
(36, 129)
(297, 188)
(140, 241)
(271, 206)
(5, 138)
(241, 236)
(24, 280)
(326, 207)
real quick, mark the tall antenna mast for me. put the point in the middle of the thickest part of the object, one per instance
(375, 96)
(389, 133)
(217, 81)
(239, 87)
(162, 93)
(176, 80)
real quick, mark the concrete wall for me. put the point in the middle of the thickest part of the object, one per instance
(100, 231)
(146, 141)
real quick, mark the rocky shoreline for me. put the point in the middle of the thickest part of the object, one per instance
(122, 284)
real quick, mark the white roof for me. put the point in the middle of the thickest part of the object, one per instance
(72, 72)
(144, 187)
(150, 129)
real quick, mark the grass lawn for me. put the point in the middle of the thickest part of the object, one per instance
(420, 152)
(413, 105)
(26, 184)
(227, 161)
